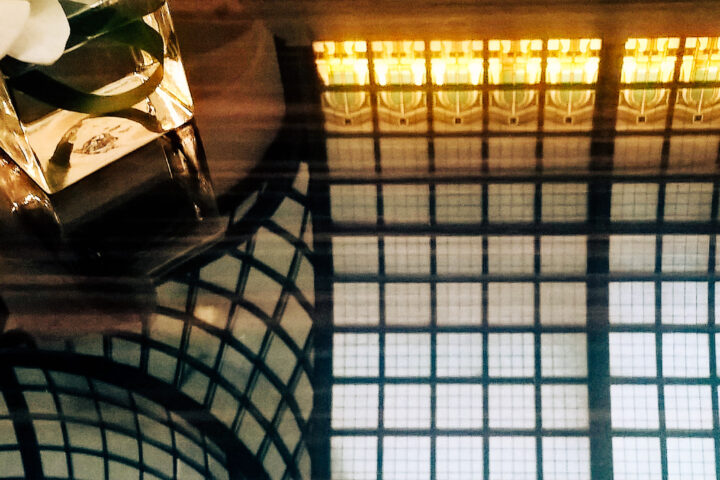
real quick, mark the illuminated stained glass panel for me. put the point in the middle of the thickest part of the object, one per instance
(344, 64)
(514, 63)
(399, 68)
(699, 107)
(646, 61)
(571, 62)
(399, 75)
(458, 64)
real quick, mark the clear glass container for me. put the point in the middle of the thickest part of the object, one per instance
(127, 95)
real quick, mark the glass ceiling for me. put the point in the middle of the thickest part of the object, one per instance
(524, 253)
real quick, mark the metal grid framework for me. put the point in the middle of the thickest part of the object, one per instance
(490, 290)
(88, 428)
(232, 336)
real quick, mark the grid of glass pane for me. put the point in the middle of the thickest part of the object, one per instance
(232, 333)
(507, 281)
(87, 428)
(451, 355)
(659, 346)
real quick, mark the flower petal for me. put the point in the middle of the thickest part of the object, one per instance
(13, 15)
(44, 36)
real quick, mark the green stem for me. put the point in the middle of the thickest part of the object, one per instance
(120, 23)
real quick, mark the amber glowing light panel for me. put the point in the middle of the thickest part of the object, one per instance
(699, 107)
(404, 62)
(342, 63)
(572, 61)
(701, 60)
(649, 59)
(403, 72)
(514, 61)
(456, 62)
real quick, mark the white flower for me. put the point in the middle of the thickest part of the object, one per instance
(33, 31)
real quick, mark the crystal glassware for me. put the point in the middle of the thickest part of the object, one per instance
(119, 85)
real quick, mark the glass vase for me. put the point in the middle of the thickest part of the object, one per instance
(119, 85)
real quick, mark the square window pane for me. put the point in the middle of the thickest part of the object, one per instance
(459, 458)
(407, 255)
(350, 156)
(632, 253)
(406, 203)
(688, 202)
(458, 203)
(634, 406)
(636, 458)
(355, 254)
(459, 255)
(406, 458)
(407, 304)
(637, 153)
(690, 152)
(511, 406)
(353, 203)
(47, 432)
(459, 354)
(685, 253)
(563, 254)
(453, 155)
(563, 303)
(355, 354)
(632, 302)
(511, 303)
(513, 458)
(356, 303)
(12, 464)
(563, 355)
(634, 202)
(566, 458)
(685, 303)
(404, 156)
(459, 406)
(688, 407)
(407, 354)
(685, 355)
(54, 464)
(511, 202)
(270, 249)
(566, 153)
(407, 406)
(564, 202)
(691, 458)
(214, 309)
(511, 355)
(511, 254)
(459, 303)
(564, 406)
(353, 458)
(632, 354)
(91, 467)
(512, 154)
(354, 406)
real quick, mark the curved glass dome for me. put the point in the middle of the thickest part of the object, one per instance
(229, 347)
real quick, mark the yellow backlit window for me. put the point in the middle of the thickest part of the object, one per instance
(572, 61)
(514, 61)
(649, 59)
(457, 62)
(342, 63)
(701, 60)
(399, 63)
